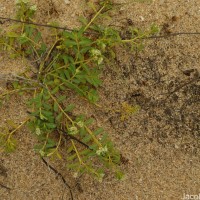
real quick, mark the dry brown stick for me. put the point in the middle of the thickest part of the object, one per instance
(4, 186)
(69, 29)
(182, 86)
(60, 175)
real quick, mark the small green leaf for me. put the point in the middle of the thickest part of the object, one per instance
(47, 113)
(59, 116)
(61, 98)
(51, 125)
(98, 131)
(87, 138)
(85, 42)
(55, 90)
(55, 107)
(69, 108)
(67, 74)
(73, 166)
(70, 158)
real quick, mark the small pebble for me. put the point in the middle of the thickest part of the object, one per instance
(142, 18)
(67, 2)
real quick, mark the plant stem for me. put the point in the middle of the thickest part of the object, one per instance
(79, 158)
(69, 118)
(95, 16)
(11, 133)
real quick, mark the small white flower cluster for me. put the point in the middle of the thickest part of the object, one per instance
(34, 8)
(67, 2)
(73, 130)
(38, 131)
(42, 153)
(97, 55)
(102, 150)
(80, 124)
(75, 175)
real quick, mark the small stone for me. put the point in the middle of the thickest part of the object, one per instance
(142, 18)
(67, 2)
(176, 146)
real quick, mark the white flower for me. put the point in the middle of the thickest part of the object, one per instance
(95, 52)
(100, 60)
(34, 8)
(42, 153)
(97, 56)
(101, 150)
(37, 131)
(75, 175)
(73, 130)
(80, 124)
(67, 2)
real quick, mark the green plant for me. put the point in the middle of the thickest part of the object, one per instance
(73, 61)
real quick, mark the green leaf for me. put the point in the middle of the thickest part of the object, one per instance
(85, 152)
(46, 97)
(85, 49)
(61, 98)
(89, 121)
(73, 166)
(77, 81)
(87, 138)
(93, 96)
(50, 144)
(70, 158)
(67, 74)
(76, 88)
(70, 43)
(61, 87)
(47, 113)
(83, 20)
(70, 149)
(51, 125)
(69, 108)
(46, 106)
(85, 42)
(55, 107)
(59, 116)
(72, 69)
(38, 37)
(70, 35)
(98, 131)
(55, 90)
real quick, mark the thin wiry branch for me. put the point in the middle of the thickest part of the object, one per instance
(60, 175)
(74, 138)
(4, 186)
(69, 29)
(37, 24)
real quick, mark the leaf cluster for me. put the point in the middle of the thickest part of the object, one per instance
(71, 63)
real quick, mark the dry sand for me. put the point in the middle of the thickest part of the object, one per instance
(160, 144)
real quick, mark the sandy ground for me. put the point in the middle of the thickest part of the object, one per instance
(160, 144)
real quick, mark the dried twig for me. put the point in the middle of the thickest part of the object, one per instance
(4, 186)
(60, 175)
(69, 29)
(185, 84)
